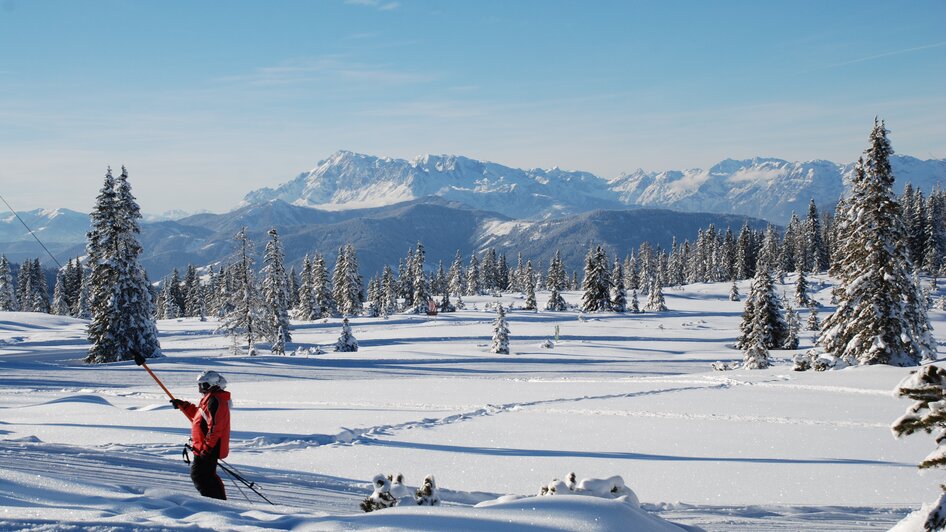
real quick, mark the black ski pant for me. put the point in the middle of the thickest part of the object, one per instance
(204, 475)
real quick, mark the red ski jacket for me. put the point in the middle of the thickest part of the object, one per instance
(210, 422)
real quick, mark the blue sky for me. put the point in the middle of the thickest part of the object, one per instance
(205, 101)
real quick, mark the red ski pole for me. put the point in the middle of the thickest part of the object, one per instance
(140, 360)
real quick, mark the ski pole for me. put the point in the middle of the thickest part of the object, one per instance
(140, 360)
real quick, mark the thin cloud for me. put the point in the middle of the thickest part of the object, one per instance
(378, 4)
(328, 68)
(889, 54)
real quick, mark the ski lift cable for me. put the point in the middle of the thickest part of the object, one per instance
(31, 232)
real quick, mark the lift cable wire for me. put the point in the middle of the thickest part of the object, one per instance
(31, 232)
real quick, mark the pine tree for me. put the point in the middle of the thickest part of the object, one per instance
(325, 302)
(801, 291)
(24, 288)
(247, 317)
(293, 287)
(655, 297)
(634, 307)
(276, 294)
(473, 285)
(373, 309)
(346, 341)
(618, 292)
(878, 319)
(597, 285)
(734, 291)
(455, 283)
(389, 292)
(169, 310)
(8, 300)
(421, 293)
(766, 323)
(121, 306)
(500, 333)
(60, 305)
(307, 308)
(528, 283)
(794, 325)
(927, 387)
(813, 323)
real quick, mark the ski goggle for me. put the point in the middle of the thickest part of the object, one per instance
(204, 387)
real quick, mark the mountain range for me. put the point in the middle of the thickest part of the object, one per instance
(765, 188)
(384, 206)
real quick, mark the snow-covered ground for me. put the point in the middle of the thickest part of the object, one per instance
(633, 395)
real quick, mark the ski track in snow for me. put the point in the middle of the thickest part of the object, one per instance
(360, 435)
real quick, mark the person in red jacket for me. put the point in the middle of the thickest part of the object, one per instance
(210, 432)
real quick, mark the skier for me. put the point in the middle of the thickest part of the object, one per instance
(210, 432)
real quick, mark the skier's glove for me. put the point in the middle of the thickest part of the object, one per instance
(139, 359)
(177, 403)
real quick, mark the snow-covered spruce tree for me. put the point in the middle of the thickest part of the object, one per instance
(813, 323)
(60, 305)
(276, 293)
(755, 354)
(421, 294)
(655, 298)
(169, 310)
(81, 308)
(500, 333)
(373, 307)
(307, 308)
(388, 292)
(346, 282)
(734, 291)
(801, 290)
(762, 319)
(878, 318)
(325, 302)
(618, 292)
(928, 414)
(556, 302)
(596, 285)
(346, 340)
(122, 313)
(528, 284)
(381, 497)
(634, 306)
(455, 284)
(816, 251)
(24, 289)
(473, 285)
(292, 286)
(247, 317)
(8, 301)
(794, 325)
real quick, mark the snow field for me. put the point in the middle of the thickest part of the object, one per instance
(625, 395)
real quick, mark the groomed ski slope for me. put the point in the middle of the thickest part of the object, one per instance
(99, 447)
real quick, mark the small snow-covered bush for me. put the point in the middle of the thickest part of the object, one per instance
(547, 344)
(427, 494)
(724, 366)
(606, 488)
(381, 497)
(817, 360)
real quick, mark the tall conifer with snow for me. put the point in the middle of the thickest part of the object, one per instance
(618, 292)
(473, 285)
(60, 304)
(421, 291)
(276, 293)
(655, 298)
(8, 299)
(307, 308)
(389, 291)
(455, 280)
(734, 291)
(762, 320)
(122, 323)
(878, 319)
(634, 306)
(346, 282)
(597, 284)
(528, 283)
(500, 343)
(324, 299)
(927, 387)
(247, 317)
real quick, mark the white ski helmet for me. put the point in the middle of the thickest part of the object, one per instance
(210, 379)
